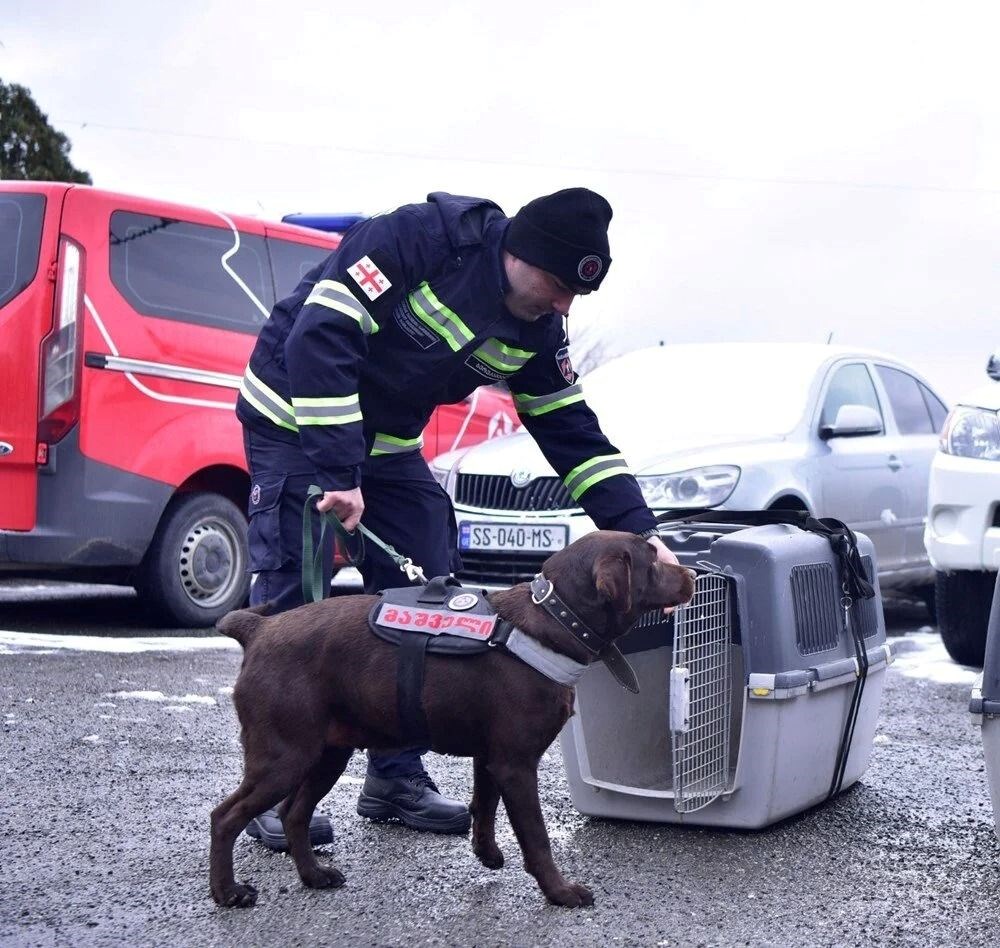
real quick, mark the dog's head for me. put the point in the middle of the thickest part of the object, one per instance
(618, 576)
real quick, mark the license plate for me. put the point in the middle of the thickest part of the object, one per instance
(518, 537)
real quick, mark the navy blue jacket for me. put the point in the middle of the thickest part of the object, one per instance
(408, 314)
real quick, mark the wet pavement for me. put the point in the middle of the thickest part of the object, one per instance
(118, 739)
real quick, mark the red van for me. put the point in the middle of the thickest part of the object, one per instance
(125, 326)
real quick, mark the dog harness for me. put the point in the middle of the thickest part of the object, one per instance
(445, 618)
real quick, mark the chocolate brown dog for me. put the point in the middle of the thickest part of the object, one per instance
(316, 683)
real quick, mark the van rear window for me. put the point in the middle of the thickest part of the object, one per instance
(21, 218)
(291, 262)
(178, 270)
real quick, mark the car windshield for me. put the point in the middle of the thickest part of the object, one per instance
(702, 391)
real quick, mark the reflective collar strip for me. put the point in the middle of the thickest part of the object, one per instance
(336, 296)
(268, 402)
(586, 475)
(436, 316)
(390, 444)
(542, 404)
(334, 410)
(560, 668)
(501, 357)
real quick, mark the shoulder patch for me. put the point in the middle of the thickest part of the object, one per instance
(565, 365)
(371, 280)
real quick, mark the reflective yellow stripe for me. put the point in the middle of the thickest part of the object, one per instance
(502, 357)
(436, 316)
(586, 475)
(334, 295)
(390, 444)
(332, 410)
(542, 404)
(267, 401)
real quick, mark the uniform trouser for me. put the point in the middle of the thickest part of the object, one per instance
(404, 506)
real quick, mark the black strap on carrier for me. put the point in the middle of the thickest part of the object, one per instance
(854, 585)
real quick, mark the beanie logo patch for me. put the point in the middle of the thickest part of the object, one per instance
(565, 365)
(590, 268)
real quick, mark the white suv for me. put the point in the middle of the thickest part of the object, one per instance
(963, 519)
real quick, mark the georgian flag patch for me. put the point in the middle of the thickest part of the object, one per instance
(369, 277)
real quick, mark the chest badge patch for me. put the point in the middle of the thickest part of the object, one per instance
(370, 278)
(463, 601)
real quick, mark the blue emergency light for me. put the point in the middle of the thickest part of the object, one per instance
(337, 223)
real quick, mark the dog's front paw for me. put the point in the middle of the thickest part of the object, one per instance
(571, 895)
(236, 896)
(488, 854)
(323, 877)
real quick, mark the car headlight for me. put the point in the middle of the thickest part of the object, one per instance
(699, 487)
(972, 433)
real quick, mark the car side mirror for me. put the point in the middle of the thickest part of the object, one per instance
(993, 366)
(853, 421)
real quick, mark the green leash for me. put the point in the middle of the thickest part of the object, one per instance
(312, 562)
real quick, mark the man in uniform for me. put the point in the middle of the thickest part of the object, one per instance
(415, 309)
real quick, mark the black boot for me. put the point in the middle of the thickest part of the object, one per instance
(415, 801)
(267, 829)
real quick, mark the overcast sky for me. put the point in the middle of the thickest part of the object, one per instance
(779, 171)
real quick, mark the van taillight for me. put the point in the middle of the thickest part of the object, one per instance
(60, 395)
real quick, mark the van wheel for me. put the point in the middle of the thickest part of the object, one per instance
(963, 600)
(195, 569)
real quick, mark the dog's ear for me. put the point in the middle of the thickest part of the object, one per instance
(613, 579)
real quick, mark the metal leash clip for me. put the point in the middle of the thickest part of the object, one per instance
(412, 572)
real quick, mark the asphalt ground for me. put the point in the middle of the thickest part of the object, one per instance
(111, 762)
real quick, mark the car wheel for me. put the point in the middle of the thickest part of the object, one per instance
(964, 599)
(195, 569)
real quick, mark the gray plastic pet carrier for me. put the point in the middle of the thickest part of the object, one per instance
(757, 700)
(985, 705)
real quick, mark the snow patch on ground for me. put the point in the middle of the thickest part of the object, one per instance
(160, 696)
(13, 642)
(922, 655)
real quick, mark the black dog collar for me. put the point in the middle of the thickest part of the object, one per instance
(543, 593)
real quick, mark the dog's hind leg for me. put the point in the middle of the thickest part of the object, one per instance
(262, 788)
(518, 781)
(295, 816)
(485, 798)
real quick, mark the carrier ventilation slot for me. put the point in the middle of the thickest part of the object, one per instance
(700, 691)
(814, 599)
(863, 612)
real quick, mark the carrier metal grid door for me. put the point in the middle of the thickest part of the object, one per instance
(700, 689)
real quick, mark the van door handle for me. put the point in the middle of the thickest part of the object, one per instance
(894, 463)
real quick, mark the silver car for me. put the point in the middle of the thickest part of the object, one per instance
(839, 432)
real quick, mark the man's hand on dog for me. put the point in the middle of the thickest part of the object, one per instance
(348, 505)
(664, 555)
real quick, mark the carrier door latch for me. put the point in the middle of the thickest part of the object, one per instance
(680, 699)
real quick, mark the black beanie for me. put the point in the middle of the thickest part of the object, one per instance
(566, 234)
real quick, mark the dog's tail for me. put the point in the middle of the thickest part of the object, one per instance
(242, 624)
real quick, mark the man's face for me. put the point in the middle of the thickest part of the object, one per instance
(534, 292)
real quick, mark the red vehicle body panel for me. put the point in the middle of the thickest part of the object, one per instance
(24, 320)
